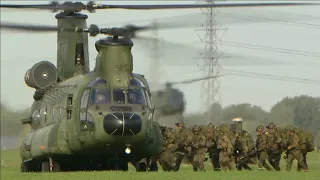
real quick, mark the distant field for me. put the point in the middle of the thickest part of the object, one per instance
(10, 170)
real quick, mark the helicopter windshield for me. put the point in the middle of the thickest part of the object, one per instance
(136, 96)
(100, 96)
(119, 96)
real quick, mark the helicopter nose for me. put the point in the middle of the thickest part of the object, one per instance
(122, 124)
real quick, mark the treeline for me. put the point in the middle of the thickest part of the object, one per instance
(300, 111)
(11, 120)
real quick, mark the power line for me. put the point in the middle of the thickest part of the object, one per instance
(272, 20)
(235, 16)
(269, 48)
(269, 76)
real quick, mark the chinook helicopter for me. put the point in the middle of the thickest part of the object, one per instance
(170, 102)
(92, 120)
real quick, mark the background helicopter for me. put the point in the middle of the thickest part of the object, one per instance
(170, 102)
(59, 141)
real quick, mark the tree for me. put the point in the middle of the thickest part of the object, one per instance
(301, 111)
(282, 113)
(11, 120)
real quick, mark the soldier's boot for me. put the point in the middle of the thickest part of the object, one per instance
(246, 167)
(277, 167)
(195, 169)
(202, 170)
(268, 168)
(239, 167)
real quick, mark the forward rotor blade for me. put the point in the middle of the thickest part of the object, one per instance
(26, 27)
(184, 55)
(91, 6)
(189, 81)
(190, 6)
(231, 17)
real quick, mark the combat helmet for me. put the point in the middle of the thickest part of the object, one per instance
(239, 132)
(290, 128)
(210, 125)
(259, 128)
(180, 123)
(196, 128)
(271, 126)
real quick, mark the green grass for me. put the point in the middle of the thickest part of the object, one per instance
(10, 170)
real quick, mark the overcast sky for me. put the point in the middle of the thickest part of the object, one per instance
(19, 51)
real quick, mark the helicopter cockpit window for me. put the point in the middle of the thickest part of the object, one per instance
(100, 96)
(43, 115)
(136, 82)
(119, 96)
(36, 115)
(136, 96)
(35, 118)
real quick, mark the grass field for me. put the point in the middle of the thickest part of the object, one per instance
(10, 170)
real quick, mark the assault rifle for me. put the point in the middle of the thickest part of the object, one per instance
(251, 154)
(285, 147)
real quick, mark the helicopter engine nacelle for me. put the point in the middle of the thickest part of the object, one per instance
(42, 75)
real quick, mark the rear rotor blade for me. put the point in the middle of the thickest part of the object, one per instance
(184, 55)
(189, 6)
(32, 28)
(189, 81)
(91, 6)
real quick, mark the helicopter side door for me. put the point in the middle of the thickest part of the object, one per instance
(150, 110)
(84, 125)
(25, 149)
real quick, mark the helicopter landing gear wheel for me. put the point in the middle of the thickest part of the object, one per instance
(45, 166)
(142, 167)
(24, 167)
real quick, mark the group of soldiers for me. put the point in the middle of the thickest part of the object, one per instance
(229, 149)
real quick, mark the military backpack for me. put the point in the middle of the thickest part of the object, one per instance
(306, 141)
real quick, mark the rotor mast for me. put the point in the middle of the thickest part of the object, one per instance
(72, 50)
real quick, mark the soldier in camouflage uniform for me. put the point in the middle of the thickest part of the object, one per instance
(183, 141)
(242, 147)
(167, 157)
(274, 146)
(302, 146)
(251, 147)
(198, 151)
(261, 145)
(293, 150)
(226, 150)
(212, 142)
